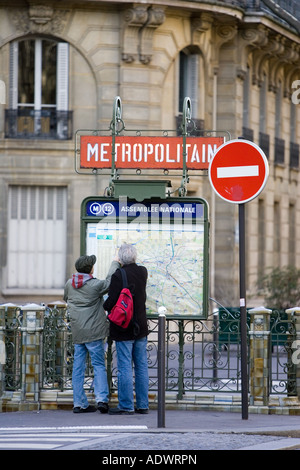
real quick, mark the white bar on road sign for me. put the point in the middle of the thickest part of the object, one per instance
(237, 171)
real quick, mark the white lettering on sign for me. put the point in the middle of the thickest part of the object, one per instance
(161, 153)
(147, 152)
(237, 171)
(93, 152)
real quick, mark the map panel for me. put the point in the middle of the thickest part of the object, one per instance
(172, 254)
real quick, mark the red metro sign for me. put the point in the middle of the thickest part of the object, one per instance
(238, 171)
(132, 152)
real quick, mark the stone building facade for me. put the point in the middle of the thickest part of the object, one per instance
(61, 66)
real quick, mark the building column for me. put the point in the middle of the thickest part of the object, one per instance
(32, 327)
(259, 355)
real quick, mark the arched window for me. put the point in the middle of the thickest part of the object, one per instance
(38, 98)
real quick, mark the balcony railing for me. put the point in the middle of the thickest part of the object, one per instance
(38, 124)
(248, 133)
(279, 151)
(294, 155)
(264, 143)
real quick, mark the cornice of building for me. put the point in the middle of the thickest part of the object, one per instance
(274, 16)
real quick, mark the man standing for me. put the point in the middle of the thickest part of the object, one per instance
(89, 326)
(131, 343)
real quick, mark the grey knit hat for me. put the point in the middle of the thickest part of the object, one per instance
(85, 263)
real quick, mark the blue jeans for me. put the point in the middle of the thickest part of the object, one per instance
(96, 352)
(136, 351)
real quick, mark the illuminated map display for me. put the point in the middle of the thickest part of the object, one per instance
(171, 242)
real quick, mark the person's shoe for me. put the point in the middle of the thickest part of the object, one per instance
(89, 409)
(142, 411)
(103, 407)
(117, 411)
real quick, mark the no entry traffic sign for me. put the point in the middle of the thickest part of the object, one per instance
(238, 171)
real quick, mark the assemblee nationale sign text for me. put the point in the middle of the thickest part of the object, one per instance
(147, 152)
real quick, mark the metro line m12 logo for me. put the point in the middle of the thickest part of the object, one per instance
(132, 152)
(101, 209)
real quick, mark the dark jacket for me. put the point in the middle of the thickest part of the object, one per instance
(137, 279)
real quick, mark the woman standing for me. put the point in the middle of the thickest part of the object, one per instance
(131, 343)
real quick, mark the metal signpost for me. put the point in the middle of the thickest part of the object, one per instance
(238, 172)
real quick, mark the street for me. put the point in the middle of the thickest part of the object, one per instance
(186, 433)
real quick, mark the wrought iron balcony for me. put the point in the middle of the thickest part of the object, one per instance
(264, 143)
(247, 133)
(279, 151)
(291, 7)
(294, 155)
(42, 124)
(286, 11)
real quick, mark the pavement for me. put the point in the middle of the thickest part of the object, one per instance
(182, 430)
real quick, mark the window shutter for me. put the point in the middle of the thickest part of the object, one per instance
(13, 74)
(37, 234)
(62, 84)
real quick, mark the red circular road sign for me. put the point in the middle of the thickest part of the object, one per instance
(238, 171)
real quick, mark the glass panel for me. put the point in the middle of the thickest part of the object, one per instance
(49, 54)
(26, 63)
(26, 72)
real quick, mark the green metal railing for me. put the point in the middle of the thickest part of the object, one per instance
(201, 356)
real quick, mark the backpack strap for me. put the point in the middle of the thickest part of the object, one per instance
(124, 278)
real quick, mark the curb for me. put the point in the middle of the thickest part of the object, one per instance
(281, 444)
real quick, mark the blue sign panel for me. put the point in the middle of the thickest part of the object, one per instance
(192, 210)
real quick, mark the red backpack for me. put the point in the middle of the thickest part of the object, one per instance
(121, 314)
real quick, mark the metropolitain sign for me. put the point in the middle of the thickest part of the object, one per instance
(132, 152)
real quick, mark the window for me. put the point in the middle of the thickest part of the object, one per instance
(247, 133)
(37, 237)
(294, 146)
(189, 80)
(278, 106)
(246, 99)
(263, 92)
(38, 90)
(279, 142)
(264, 138)
(190, 77)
